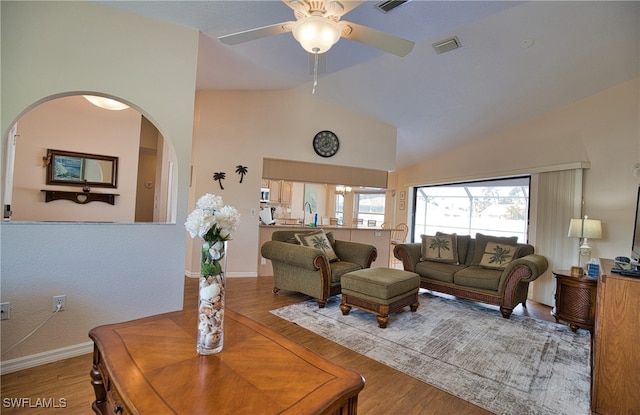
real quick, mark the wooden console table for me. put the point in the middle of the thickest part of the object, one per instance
(150, 366)
(616, 367)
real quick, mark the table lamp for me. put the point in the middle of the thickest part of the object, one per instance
(585, 228)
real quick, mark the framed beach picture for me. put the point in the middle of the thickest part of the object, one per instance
(67, 168)
(79, 169)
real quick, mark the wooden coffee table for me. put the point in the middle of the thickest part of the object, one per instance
(150, 366)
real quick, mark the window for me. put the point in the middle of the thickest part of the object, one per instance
(493, 207)
(339, 199)
(370, 206)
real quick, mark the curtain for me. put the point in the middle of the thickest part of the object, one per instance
(556, 198)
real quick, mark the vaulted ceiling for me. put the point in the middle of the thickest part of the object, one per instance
(517, 61)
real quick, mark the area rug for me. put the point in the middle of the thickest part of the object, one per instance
(516, 366)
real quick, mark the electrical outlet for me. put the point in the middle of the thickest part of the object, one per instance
(4, 311)
(263, 261)
(59, 300)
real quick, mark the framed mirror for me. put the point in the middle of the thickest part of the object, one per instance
(80, 169)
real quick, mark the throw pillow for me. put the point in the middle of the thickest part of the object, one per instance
(318, 240)
(440, 248)
(462, 241)
(481, 244)
(497, 255)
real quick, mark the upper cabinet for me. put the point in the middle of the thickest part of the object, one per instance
(280, 191)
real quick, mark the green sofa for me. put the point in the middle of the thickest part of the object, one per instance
(308, 270)
(469, 268)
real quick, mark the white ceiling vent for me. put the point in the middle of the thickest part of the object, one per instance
(447, 45)
(388, 5)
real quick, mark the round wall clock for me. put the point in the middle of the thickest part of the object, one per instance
(326, 143)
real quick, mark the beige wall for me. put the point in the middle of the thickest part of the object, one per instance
(603, 129)
(73, 124)
(243, 127)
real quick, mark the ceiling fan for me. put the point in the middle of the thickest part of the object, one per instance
(318, 27)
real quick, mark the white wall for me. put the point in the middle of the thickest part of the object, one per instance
(243, 127)
(109, 272)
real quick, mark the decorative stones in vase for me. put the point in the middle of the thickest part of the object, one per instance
(211, 298)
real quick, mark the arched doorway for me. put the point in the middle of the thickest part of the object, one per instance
(71, 123)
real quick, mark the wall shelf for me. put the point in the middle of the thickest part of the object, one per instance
(79, 197)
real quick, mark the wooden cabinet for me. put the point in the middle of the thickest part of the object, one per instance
(286, 189)
(575, 300)
(280, 191)
(616, 366)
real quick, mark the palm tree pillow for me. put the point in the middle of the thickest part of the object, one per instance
(440, 248)
(497, 255)
(318, 240)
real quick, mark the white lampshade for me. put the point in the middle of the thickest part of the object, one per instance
(106, 103)
(585, 228)
(592, 228)
(316, 34)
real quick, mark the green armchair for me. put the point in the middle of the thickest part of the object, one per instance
(308, 270)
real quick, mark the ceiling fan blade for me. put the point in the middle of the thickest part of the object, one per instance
(372, 37)
(322, 63)
(257, 33)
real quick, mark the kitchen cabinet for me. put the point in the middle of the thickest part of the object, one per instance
(280, 191)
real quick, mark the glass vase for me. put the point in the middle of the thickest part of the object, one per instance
(210, 339)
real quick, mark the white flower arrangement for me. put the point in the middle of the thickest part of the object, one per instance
(212, 220)
(214, 223)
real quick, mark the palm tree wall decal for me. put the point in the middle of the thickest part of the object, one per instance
(219, 177)
(241, 170)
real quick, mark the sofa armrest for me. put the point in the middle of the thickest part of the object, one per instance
(409, 254)
(296, 255)
(355, 252)
(536, 263)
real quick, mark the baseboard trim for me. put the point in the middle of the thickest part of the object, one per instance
(26, 362)
(229, 274)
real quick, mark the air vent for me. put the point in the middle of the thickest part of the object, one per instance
(387, 6)
(447, 45)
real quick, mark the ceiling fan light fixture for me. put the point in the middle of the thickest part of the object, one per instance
(316, 34)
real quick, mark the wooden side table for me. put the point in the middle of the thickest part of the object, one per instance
(575, 300)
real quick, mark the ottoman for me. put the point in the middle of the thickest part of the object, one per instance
(380, 291)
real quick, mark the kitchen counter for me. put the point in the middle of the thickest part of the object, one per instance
(380, 238)
(361, 227)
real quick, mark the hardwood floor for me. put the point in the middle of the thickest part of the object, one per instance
(66, 383)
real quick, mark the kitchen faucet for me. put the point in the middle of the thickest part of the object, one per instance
(304, 213)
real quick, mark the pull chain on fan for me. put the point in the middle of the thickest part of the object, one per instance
(315, 70)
